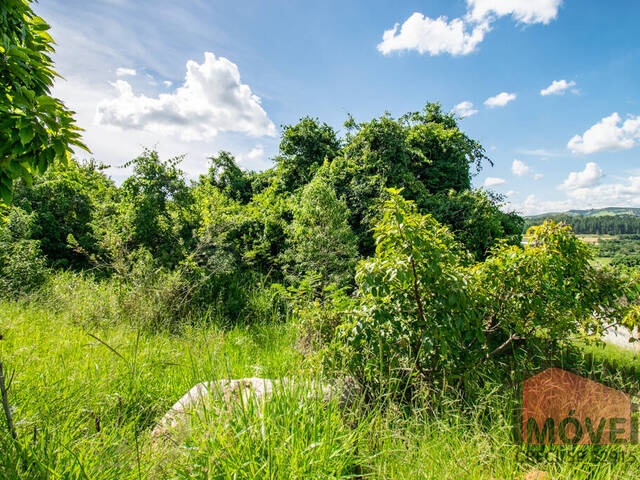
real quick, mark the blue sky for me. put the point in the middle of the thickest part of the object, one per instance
(194, 77)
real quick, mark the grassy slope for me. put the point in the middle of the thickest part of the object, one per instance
(84, 411)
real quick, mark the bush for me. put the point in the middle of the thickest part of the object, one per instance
(22, 265)
(321, 240)
(65, 203)
(423, 311)
(626, 260)
(22, 268)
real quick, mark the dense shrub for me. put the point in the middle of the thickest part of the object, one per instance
(321, 240)
(22, 265)
(424, 153)
(156, 211)
(475, 218)
(626, 260)
(65, 203)
(423, 310)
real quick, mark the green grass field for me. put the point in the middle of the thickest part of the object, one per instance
(85, 398)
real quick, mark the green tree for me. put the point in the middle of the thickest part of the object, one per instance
(22, 265)
(157, 208)
(225, 174)
(476, 219)
(423, 309)
(35, 128)
(321, 239)
(424, 153)
(303, 149)
(65, 202)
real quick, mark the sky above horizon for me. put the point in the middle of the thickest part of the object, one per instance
(549, 87)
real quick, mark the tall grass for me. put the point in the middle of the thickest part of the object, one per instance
(90, 382)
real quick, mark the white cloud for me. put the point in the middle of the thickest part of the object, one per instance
(493, 181)
(589, 177)
(626, 193)
(256, 153)
(541, 152)
(558, 87)
(427, 35)
(124, 72)
(500, 100)
(519, 168)
(608, 135)
(464, 109)
(532, 205)
(461, 36)
(167, 83)
(510, 193)
(525, 11)
(538, 176)
(211, 100)
(608, 195)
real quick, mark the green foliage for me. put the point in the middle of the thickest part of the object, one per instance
(475, 218)
(423, 153)
(626, 260)
(303, 149)
(22, 265)
(67, 205)
(619, 246)
(547, 290)
(225, 175)
(35, 129)
(411, 306)
(423, 309)
(321, 239)
(157, 208)
(235, 236)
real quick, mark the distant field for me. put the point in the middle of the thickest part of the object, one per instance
(595, 238)
(614, 249)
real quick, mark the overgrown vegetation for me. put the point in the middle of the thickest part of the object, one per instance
(366, 255)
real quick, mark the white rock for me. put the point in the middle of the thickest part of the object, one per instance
(254, 389)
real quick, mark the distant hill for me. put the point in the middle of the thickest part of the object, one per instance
(593, 212)
(610, 220)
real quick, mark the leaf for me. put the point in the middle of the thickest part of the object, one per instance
(26, 135)
(5, 194)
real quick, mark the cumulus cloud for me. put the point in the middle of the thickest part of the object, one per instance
(211, 100)
(608, 135)
(464, 109)
(537, 176)
(625, 193)
(493, 181)
(500, 100)
(607, 195)
(461, 36)
(519, 168)
(125, 72)
(433, 36)
(588, 177)
(167, 83)
(557, 87)
(524, 11)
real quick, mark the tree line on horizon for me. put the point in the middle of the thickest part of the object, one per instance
(595, 224)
